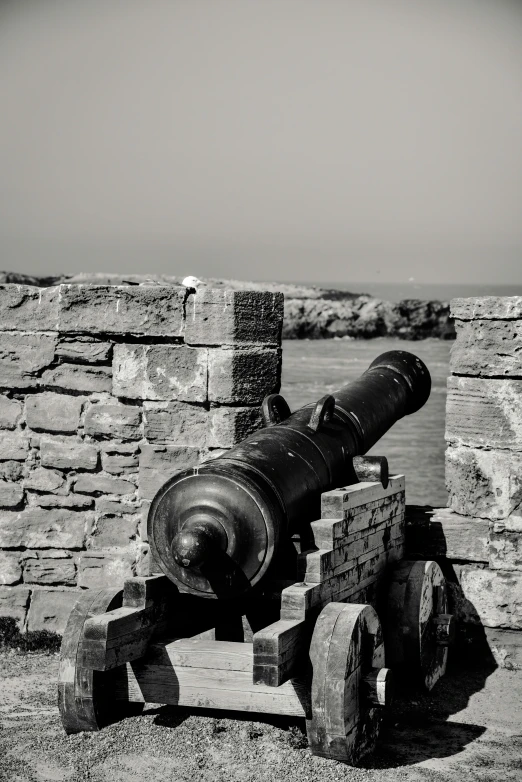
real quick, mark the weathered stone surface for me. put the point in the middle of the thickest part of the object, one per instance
(485, 484)
(103, 484)
(180, 423)
(142, 528)
(14, 445)
(114, 532)
(25, 307)
(36, 528)
(11, 494)
(68, 454)
(23, 357)
(78, 377)
(119, 464)
(243, 376)
(50, 609)
(495, 595)
(484, 413)
(119, 448)
(488, 348)
(149, 310)
(44, 480)
(85, 350)
(491, 307)
(440, 532)
(511, 524)
(505, 550)
(159, 463)
(77, 501)
(57, 569)
(160, 372)
(116, 507)
(50, 412)
(506, 646)
(102, 568)
(10, 412)
(113, 421)
(10, 568)
(216, 317)
(14, 602)
(11, 471)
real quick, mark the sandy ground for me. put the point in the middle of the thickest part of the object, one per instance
(468, 728)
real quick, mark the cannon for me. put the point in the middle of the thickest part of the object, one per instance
(280, 583)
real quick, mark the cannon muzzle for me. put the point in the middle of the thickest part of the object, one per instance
(215, 530)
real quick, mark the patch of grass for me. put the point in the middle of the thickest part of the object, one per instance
(296, 738)
(35, 641)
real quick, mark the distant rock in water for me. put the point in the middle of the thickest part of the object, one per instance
(310, 312)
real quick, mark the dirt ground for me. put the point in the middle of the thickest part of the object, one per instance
(468, 728)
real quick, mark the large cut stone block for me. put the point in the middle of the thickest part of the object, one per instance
(37, 528)
(114, 309)
(51, 569)
(115, 420)
(495, 595)
(103, 568)
(505, 549)
(14, 602)
(11, 494)
(491, 307)
(440, 532)
(13, 446)
(10, 412)
(85, 350)
(50, 609)
(484, 484)
(159, 463)
(78, 377)
(25, 307)
(178, 423)
(160, 372)
(114, 532)
(225, 317)
(68, 454)
(488, 348)
(484, 413)
(243, 376)
(103, 484)
(23, 357)
(119, 464)
(49, 412)
(10, 568)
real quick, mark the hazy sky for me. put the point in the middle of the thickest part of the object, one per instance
(348, 140)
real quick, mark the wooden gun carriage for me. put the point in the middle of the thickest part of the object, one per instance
(337, 611)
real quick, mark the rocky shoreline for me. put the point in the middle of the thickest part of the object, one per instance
(310, 312)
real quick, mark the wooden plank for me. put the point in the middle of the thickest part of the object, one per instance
(330, 533)
(202, 653)
(144, 591)
(334, 504)
(278, 651)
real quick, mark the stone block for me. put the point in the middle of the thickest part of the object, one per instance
(10, 412)
(50, 412)
(103, 484)
(14, 602)
(13, 446)
(98, 569)
(440, 532)
(25, 306)
(76, 501)
(23, 357)
(51, 570)
(159, 463)
(42, 479)
(84, 350)
(11, 471)
(36, 528)
(162, 372)
(68, 454)
(125, 449)
(11, 494)
(116, 507)
(484, 413)
(226, 317)
(10, 568)
(487, 348)
(506, 647)
(113, 420)
(243, 376)
(184, 424)
(119, 464)
(50, 609)
(484, 484)
(490, 307)
(496, 596)
(142, 528)
(112, 309)
(114, 532)
(505, 550)
(78, 377)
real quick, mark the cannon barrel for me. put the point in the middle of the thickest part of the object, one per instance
(216, 529)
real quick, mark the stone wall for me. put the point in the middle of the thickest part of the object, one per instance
(479, 536)
(105, 392)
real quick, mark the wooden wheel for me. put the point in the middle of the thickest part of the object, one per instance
(417, 627)
(85, 696)
(349, 684)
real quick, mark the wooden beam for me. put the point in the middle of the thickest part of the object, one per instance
(278, 651)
